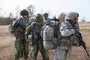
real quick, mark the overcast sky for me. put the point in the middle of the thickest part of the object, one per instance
(55, 7)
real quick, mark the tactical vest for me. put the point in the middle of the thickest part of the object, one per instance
(68, 34)
(23, 23)
(36, 32)
(20, 27)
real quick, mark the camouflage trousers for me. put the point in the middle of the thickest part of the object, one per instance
(21, 49)
(34, 51)
(61, 53)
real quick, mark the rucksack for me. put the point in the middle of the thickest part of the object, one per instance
(49, 41)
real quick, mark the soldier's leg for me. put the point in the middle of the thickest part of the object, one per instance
(22, 52)
(25, 50)
(45, 53)
(33, 52)
(60, 54)
(18, 46)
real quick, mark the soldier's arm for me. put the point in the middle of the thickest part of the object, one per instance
(77, 30)
(14, 25)
(65, 31)
(28, 31)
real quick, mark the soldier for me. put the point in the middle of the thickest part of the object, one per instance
(68, 32)
(46, 19)
(36, 41)
(62, 17)
(19, 27)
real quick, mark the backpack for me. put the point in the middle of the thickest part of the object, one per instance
(10, 28)
(49, 41)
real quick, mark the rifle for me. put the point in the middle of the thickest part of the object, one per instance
(81, 42)
(56, 26)
(54, 19)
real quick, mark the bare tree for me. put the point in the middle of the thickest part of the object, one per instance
(0, 12)
(17, 12)
(31, 10)
(11, 15)
(42, 11)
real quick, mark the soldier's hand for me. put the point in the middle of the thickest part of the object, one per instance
(30, 43)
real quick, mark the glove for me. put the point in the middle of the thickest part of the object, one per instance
(30, 43)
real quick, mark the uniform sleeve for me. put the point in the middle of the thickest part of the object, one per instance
(65, 31)
(14, 25)
(28, 31)
(77, 29)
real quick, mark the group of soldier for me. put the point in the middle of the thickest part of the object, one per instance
(23, 29)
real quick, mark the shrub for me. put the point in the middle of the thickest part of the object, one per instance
(5, 21)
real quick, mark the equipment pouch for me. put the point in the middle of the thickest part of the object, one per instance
(30, 40)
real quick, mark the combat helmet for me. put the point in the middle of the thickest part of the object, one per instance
(71, 15)
(62, 17)
(39, 18)
(46, 14)
(24, 12)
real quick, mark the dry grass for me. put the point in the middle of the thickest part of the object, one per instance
(7, 48)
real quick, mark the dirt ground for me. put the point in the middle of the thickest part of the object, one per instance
(7, 48)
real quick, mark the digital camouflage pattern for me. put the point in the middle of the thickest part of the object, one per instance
(65, 44)
(72, 15)
(48, 37)
(67, 38)
(62, 17)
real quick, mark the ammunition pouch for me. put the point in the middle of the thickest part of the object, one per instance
(30, 40)
(19, 32)
(71, 40)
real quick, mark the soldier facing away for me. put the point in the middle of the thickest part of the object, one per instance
(33, 37)
(62, 17)
(18, 29)
(68, 37)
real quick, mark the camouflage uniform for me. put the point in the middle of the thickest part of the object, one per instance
(68, 39)
(46, 19)
(62, 17)
(36, 45)
(19, 27)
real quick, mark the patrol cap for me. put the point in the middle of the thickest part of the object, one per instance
(46, 14)
(71, 15)
(24, 12)
(39, 18)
